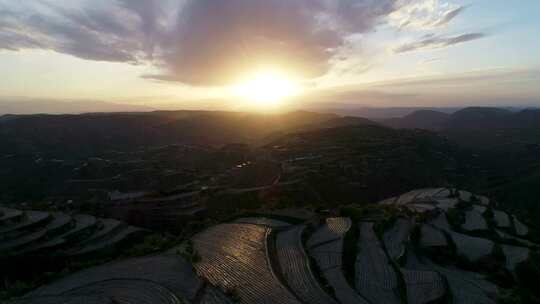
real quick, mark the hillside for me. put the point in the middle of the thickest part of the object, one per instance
(367, 163)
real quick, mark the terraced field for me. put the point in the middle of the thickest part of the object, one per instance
(514, 255)
(263, 221)
(8, 215)
(480, 208)
(376, 279)
(501, 219)
(432, 237)
(395, 238)
(328, 255)
(421, 208)
(506, 236)
(263, 260)
(409, 197)
(521, 229)
(465, 195)
(430, 193)
(295, 267)
(440, 221)
(424, 286)
(419, 195)
(465, 287)
(325, 246)
(333, 229)
(446, 204)
(235, 257)
(161, 279)
(44, 233)
(471, 247)
(474, 221)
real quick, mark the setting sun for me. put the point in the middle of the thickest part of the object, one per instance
(267, 88)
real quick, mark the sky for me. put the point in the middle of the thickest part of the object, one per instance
(192, 54)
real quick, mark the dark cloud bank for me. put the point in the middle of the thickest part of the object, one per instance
(201, 42)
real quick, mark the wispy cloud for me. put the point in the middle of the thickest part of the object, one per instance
(437, 42)
(425, 14)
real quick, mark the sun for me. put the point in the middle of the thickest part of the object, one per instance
(267, 88)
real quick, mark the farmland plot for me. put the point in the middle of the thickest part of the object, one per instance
(343, 292)
(447, 203)
(129, 291)
(421, 208)
(263, 221)
(424, 286)
(432, 237)
(87, 299)
(409, 197)
(501, 219)
(474, 221)
(470, 247)
(33, 218)
(444, 193)
(389, 201)
(212, 295)
(328, 257)
(395, 238)
(376, 279)
(507, 236)
(479, 208)
(155, 278)
(295, 267)
(465, 195)
(466, 287)
(483, 200)
(441, 222)
(521, 229)
(430, 193)
(7, 215)
(234, 257)
(333, 229)
(514, 255)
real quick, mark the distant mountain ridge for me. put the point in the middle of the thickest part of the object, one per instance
(421, 119)
(476, 125)
(29, 106)
(90, 133)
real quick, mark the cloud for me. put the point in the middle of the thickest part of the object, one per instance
(425, 14)
(214, 40)
(449, 16)
(92, 34)
(437, 42)
(209, 42)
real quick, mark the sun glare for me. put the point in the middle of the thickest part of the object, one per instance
(267, 89)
